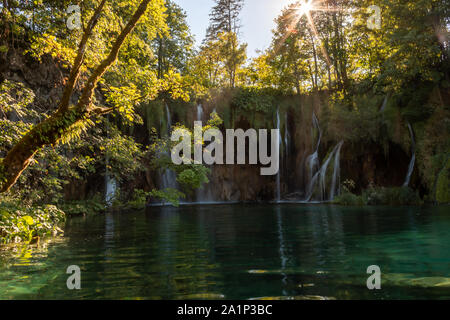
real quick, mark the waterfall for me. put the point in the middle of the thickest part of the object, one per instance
(204, 194)
(278, 196)
(168, 177)
(413, 158)
(169, 120)
(319, 177)
(336, 189)
(110, 182)
(199, 112)
(385, 102)
(111, 188)
(323, 174)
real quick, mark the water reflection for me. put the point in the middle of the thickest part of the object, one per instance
(240, 252)
(283, 256)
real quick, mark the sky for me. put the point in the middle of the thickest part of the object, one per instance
(257, 19)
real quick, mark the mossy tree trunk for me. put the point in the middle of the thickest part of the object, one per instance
(51, 130)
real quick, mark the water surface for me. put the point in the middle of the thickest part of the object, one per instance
(240, 252)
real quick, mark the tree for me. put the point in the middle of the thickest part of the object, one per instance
(68, 118)
(233, 54)
(206, 67)
(223, 32)
(224, 18)
(174, 46)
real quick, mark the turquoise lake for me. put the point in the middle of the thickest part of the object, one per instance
(287, 251)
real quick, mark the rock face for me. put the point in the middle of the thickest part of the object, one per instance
(45, 77)
(369, 164)
(239, 183)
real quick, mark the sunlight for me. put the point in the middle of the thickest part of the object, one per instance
(305, 7)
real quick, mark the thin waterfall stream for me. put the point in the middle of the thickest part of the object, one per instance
(318, 174)
(168, 177)
(413, 157)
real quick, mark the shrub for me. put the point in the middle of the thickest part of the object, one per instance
(349, 199)
(139, 199)
(396, 196)
(19, 224)
(79, 208)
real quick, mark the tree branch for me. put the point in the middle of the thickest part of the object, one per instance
(76, 68)
(88, 92)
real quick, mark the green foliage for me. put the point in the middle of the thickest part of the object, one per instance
(168, 195)
(380, 196)
(193, 177)
(396, 196)
(24, 224)
(124, 155)
(174, 47)
(349, 199)
(85, 207)
(443, 185)
(358, 121)
(15, 96)
(254, 100)
(139, 199)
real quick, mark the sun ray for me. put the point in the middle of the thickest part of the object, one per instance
(304, 8)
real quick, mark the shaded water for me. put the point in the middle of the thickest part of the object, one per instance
(240, 252)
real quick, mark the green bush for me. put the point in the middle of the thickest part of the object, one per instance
(349, 199)
(79, 208)
(396, 196)
(19, 224)
(139, 199)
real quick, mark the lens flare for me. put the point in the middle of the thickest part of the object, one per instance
(305, 7)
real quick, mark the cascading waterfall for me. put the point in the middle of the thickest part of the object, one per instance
(110, 187)
(336, 182)
(413, 158)
(168, 177)
(169, 119)
(321, 175)
(203, 195)
(199, 112)
(385, 102)
(318, 174)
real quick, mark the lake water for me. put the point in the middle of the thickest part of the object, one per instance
(240, 252)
